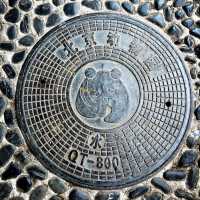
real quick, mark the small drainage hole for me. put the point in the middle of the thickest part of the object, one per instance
(168, 104)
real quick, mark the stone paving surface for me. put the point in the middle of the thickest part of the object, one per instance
(22, 24)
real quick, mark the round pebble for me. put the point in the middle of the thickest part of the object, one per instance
(157, 19)
(27, 40)
(7, 46)
(38, 25)
(78, 195)
(137, 192)
(9, 70)
(174, 175)
(25, 5)
(56, 197)
(6, 88)
(71, 9)
(9, 117)
(12, 3)
(5, 190)
(58, 2)
(188, 23)
(92, 4)
(57, 185)
(43, 9)
(154, 196)
(188, 158)
(18, 57)
(12, 32)
(22, 157)
(2, 130)
(193, 177)
(13, 15)
(128, 7)
(195, 31)
(179, 14)
(112, 5)
(181, 193)
(53, 19)
(39, 193)
(13, 136)
(159, 4)
(2, 7)
(197, 51)
(12, 171)
(3, 104)
(37, 172)
(179, 3)
(144, 9)
(6, 153)
(107, 196)
(168, 13)
(24, 183)
(25, 24)
(175, 31)
(161, 184)
(188, 8)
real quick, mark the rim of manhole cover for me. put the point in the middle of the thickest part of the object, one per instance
(103, 100)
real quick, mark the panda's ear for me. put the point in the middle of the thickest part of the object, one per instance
(90, 73)
(115, 73)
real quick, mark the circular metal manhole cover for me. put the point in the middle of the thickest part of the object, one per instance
(103, 100)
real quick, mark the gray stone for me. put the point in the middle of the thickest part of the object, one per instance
(188, 158)
(9, 117)
(193, 177)
(181, 193)
(37, 172)
(107, 196)
(159, 4)
(2, 7)
(27, 40)
(144, 9)
(38, 25)
(13, 15)
(53, 19)
(113, 5)
(6, 88)
(25, 5)
(161, 184)
(39, 193)
(128, 7)
(188, 23)
(9, 70)
(78, 195)
(24, 183)
(18, 56)
(157, 19)
(25, 24)
(57, 185)
(93, 4)
(43, 9)
(137, 192)
(7, 46)
(174, 175)
(13, 136)
(6, 153)
(5, 190)
(71, 9)
(195, 31)
(12, 32)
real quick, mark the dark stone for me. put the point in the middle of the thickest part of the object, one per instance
(174, 175)
(161, 184)
(144, 9)
(14, 137)
(53, 19)
(193, 177)
(197, 52)
(5, 190)
(58, 2)
(6, 153)
(197, 112)
(7, 46)
(13, 15)
(186, 49)
(16, 198)
(180, 193)
(11, 32)
(168, 13)
(78, 195)
(188, 158)
(6, 88)
(107, 196)
(27, 40)
(71, 9)
(39, 193)
(154, 196)
(22, 157)
(9, 118)
(18, 57)
(188, 23)
(2, 131)
(57, 185)
(179, 14)
(56, 197)
(179, 3)
(190, 59)
(93, 4)
(134, 1)
(38, 25)
(159, 4)
(37, 172)
(112, 5)
(25, 5)
(12, 3)
(191, 142)
(43, 9)
(198, 11)
(12, 171)
(24, 183)
(3, 104)
(137, 192)
(9, 70)
(188, 8)
(157, 19)
(175, 31)
(2, 7)
(25, 24)
(128, 7)
(196, 32)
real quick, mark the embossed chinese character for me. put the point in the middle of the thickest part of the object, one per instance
(113, 39)
(89, 39)
(135, 47)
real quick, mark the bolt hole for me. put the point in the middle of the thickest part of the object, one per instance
(168, 104)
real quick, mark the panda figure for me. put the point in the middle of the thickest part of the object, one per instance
(102, 96)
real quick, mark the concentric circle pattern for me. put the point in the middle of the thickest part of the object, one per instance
(103, 100)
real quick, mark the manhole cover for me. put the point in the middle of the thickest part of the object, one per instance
(103, 100)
